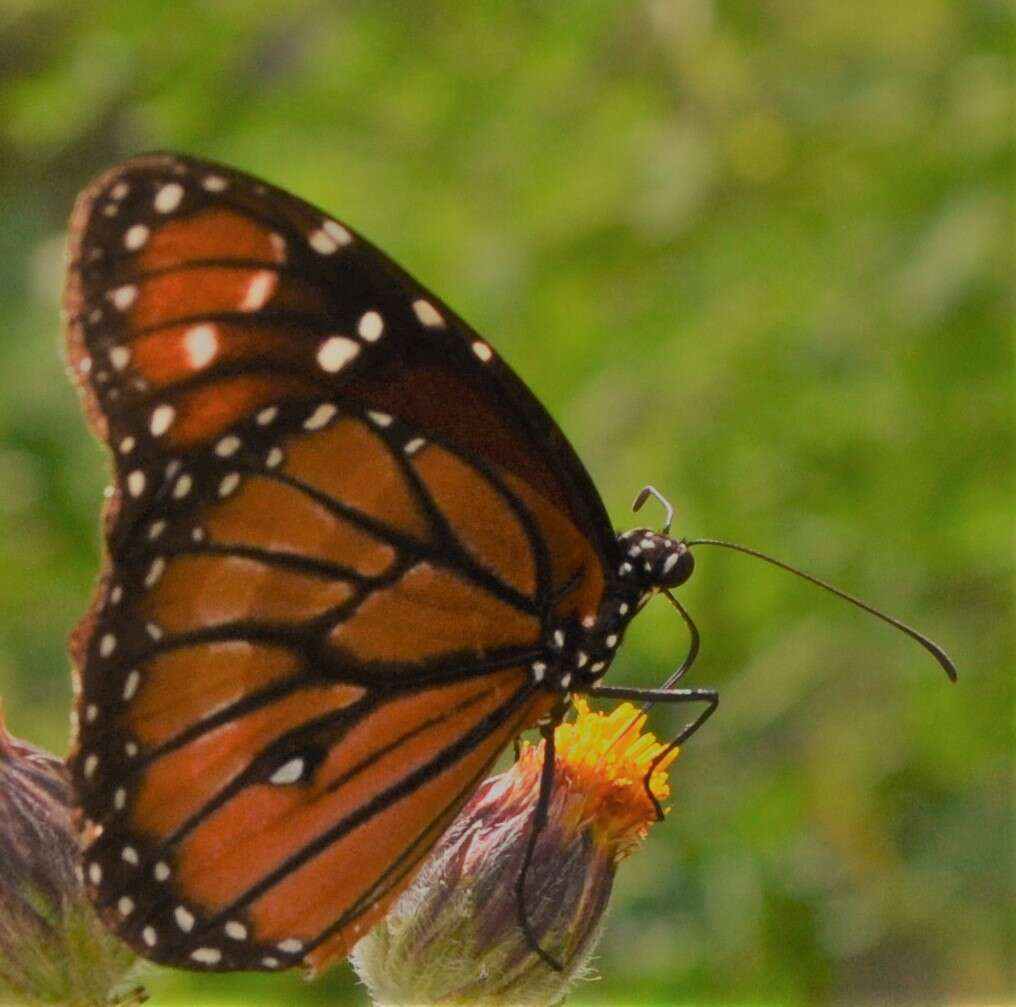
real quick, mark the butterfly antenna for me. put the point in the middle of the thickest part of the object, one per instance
(651, 491)
(929, 645)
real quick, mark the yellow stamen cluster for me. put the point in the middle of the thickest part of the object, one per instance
(602, 760)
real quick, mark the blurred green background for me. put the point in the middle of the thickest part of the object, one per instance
(754, 253)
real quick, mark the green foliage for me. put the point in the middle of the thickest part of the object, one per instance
(756, 254)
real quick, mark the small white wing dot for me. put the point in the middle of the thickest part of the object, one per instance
(290, 945)
(428, 314)
(119, 357)
(259, 290)
(127, 445)
(120, 799)
(167, 199)
(201, 344)
(290, 772)
(228, 446)
(123, 297)
(162, 419)
(131, 749)
(91, 713)
(155, 571)
(207, 956)
(320, 416)
(335, 352)
(483, 351)
(95, 873)
(598, 666)
(130, 855)
(322, 242)
(229, 483)
(149, 936)
(91, 763)
(414, 445)
(161, 871)
(153, 631)
(370, 327)
(270, 962)
(267, 415)
(131, 683)
(136, 483)
(378, 418)
(119, 190)
(236, 930)
(135, 237)
(214, 183)
(183, 486)
(125, 906)
(107, 645)
(184, 918)
(337, 231)
(274, 458)
(611, 640)
(157, 528)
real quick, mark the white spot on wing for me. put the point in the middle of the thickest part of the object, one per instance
(335, 352)
(136, 483)
(119, 357)
(201, 344)
(184, 918)
(107, 645)
(125, 906)
(228, 446)
(214, 183)
(378, 418)
(259, 290)
(183, 486)
(229, 483)
(337, 231)
(119, 190)
(322, 242)
(428, 314)
(131, 683)
(483, 351)
(274, 458)
(290, 945)
(162, 419)
(123, 297)
(95, 873)
(320, 417)
(206, 956)
(267, 415)
(135, 237)
(149, 936)
(161, 871)
(370, 326)
(155, 571)
(236, 930)
(130, 855)
(167, 199)
(289, 772)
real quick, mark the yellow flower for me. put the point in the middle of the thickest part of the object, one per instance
(454, 938)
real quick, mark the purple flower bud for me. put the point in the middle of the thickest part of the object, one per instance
(454, 937)
(53, 947)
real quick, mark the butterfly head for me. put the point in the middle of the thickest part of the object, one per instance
(654, 560)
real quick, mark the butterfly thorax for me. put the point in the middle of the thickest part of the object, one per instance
(582, 652)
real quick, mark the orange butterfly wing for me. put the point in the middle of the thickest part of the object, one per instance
(333, 555)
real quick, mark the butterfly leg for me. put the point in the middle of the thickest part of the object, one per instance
(708, 696)
(539, 821)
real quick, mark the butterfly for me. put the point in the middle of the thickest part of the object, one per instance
(348, 558)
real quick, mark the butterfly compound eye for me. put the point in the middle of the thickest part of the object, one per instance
(677, 567)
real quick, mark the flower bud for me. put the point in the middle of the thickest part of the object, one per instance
(53, 947)
(454, 936)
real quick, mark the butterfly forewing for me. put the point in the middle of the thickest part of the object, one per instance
(339, 531)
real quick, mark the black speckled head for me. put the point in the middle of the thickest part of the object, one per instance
(654, 560)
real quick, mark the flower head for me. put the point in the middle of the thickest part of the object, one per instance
(454, 936)
(53, 947)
